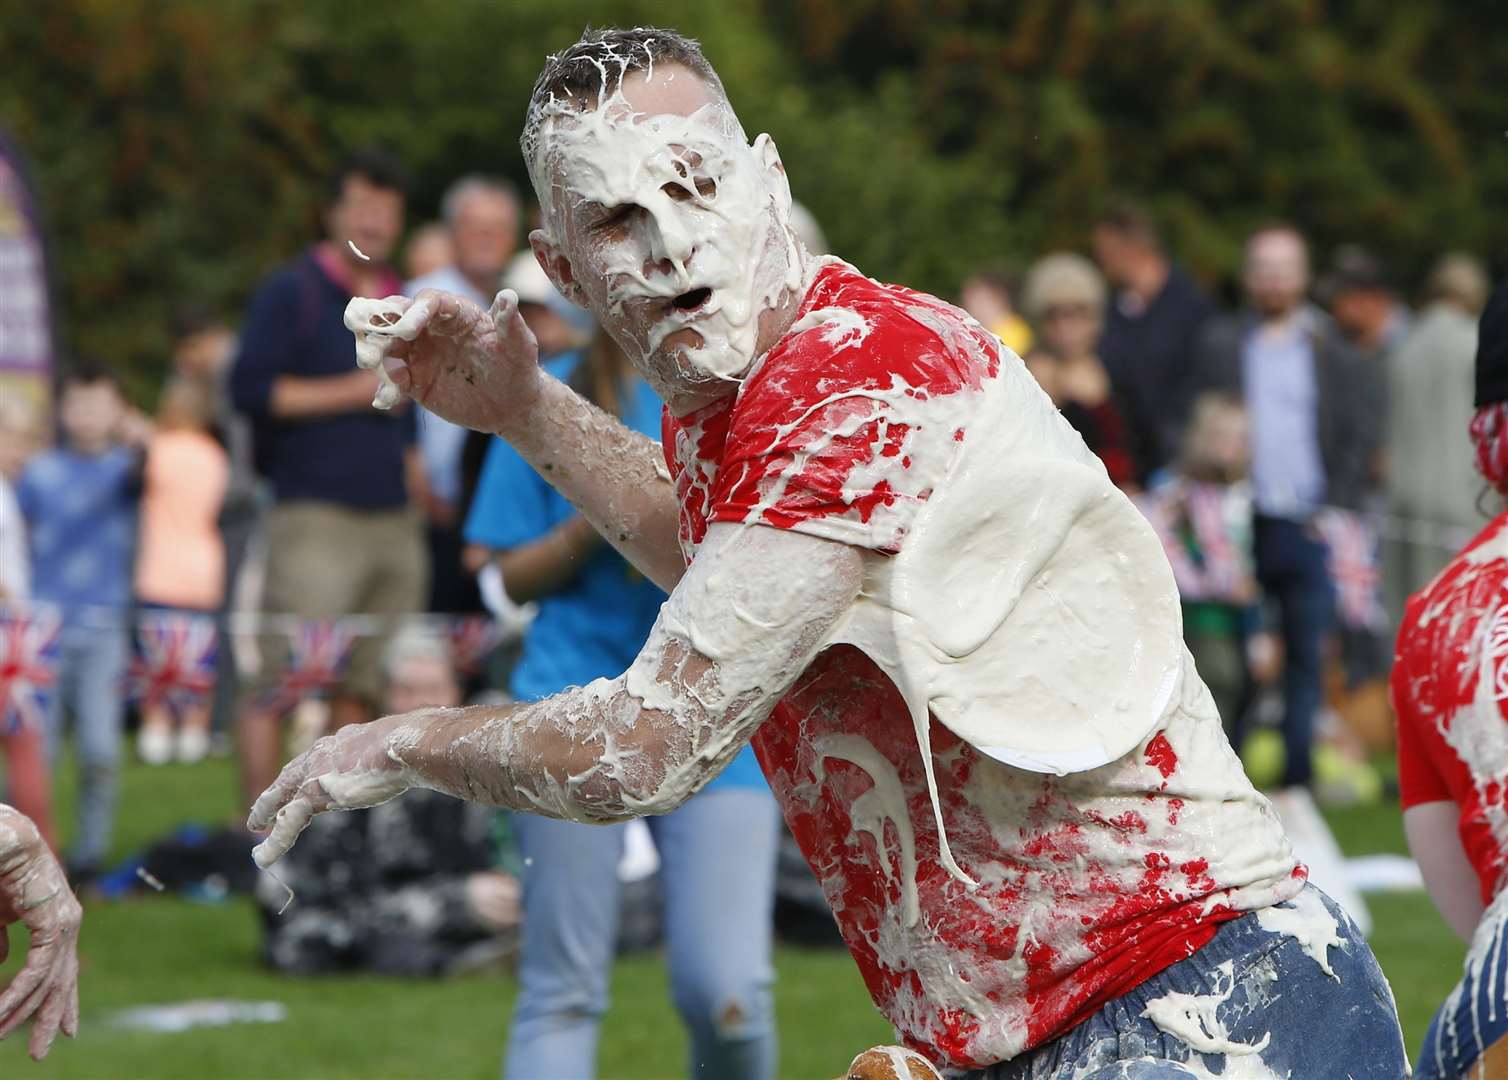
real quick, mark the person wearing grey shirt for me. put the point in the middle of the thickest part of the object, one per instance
(1433, 486)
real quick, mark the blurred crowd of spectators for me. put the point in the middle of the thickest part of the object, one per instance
(1304, 457)
(1304, 454)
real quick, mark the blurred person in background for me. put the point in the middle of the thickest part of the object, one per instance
(717, 851)
(1361, 299)
(79, 499)
(203, 350)
(28, 787)
(481, 218)
(406, 888)
(1363, 303)
(988, 295)
(18, 441)
(34, 892)
(1314, 408)
(1432, 489)
(1202, 512)
(428, 249)
(562, 331)
(1150, 338)
(342, 535)
(1448, 690)
(1065, 300)
(180, 556)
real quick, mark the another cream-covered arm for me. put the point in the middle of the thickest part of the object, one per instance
(1433, 839)
(750, 614)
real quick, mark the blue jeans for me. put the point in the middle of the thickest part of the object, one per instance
(1292, 569)
(1264, 993)
(717, 871)
(90, 689)
(1476, 1014)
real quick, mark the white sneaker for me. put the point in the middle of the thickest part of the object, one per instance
(193, 745)
(155, 746)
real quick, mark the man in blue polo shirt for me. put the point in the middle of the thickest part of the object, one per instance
(342, 536)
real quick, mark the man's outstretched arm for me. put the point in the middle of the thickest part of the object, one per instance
(750, 614)
(481, 369)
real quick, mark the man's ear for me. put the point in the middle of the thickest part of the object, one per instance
(556, 267)
(769, 159)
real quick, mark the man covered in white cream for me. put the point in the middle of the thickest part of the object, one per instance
(895, 569)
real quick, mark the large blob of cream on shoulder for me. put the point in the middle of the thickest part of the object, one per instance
(1031, 608)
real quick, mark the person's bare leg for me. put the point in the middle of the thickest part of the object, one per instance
(154, 743)
(28, 779)
(258, 748)
(193, 733)
(347, 709)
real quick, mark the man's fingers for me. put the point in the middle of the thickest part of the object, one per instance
(285, 787)
(364, 313)
(291, 820)
(70, 1022)
(504, 312)
(15, 1008)
(379, 324)
(49, 1016)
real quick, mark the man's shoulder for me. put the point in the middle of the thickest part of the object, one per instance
(853, 332)
(289, 280)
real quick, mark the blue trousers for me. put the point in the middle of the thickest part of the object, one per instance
(717, 871)
(1476, 1014)
(1257, 989)
(90, 690)
(1292, 569)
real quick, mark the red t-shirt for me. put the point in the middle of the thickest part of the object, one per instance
(1089, 883)
(1450, 686)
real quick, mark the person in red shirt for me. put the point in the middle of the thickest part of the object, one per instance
(896, 570)
(1450, 685)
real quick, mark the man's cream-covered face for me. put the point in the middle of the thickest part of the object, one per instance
(670, 226)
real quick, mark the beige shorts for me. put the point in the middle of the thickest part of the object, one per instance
(325, 560)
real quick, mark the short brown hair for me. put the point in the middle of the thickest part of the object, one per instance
(1132, 221)
(598, 61)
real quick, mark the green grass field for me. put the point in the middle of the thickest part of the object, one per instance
(162, 949)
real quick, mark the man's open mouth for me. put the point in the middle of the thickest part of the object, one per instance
(690, 301)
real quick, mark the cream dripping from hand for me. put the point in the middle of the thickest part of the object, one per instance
(685, 220)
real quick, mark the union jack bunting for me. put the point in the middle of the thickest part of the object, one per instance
(472, 637)
(1353, 564)
(175, 660)
(318, 652)
(28, 666)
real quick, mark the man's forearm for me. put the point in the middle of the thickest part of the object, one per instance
(594, 753)
(615, 476)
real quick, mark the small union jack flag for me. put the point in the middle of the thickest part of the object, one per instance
(472, 637)
(28, 666)
(1353, 564)
(175, 660)
(318, 652)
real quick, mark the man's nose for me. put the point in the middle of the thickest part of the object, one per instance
(672, 241)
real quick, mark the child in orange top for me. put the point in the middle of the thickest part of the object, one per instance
(180, 562)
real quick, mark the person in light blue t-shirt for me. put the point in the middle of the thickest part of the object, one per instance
(79, 500)
(717, 851)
